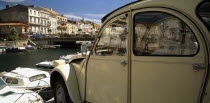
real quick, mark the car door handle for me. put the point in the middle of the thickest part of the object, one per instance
(123, 63)
(197, 67)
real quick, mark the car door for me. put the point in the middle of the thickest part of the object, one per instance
(168, 59)
(107, 73)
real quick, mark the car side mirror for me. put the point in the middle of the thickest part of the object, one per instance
(84, 49)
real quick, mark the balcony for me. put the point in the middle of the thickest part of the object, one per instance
(35, 23)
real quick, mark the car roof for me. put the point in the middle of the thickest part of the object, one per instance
(104, 18)
(174, 4)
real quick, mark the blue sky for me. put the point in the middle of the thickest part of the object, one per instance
(92, 10)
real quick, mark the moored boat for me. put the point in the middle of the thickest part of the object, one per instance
(45, 65)
(13, 95)
(26, 78)
(30, 79)
(50, 64)
(15, 49)
(30, 47)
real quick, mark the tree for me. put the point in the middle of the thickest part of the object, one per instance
(80, 30)
(13, 34)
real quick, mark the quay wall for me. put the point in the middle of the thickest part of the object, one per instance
(17, 43)
(64, 44)
(42, 42)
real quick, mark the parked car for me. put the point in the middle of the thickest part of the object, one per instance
(158, 53)
(13, 95)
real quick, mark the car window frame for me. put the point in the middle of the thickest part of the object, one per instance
(104, 28)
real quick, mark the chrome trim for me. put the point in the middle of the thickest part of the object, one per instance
(161, 62)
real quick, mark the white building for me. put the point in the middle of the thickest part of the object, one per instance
(56, 21)
(34, 20)
(39, 21)
(53, 26)
(45, 22)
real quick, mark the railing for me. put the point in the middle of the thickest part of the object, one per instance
(38, 23)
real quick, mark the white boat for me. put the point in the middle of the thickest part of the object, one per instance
(30, 47)
(67, 57)
(21, 48)
(3, 49)
(13, 95)
(15, 49)
(45, 65)
(50, 64)
(27, 78)
(30, 79)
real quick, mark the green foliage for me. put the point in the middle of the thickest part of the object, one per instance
(13, 34)
(80, 29)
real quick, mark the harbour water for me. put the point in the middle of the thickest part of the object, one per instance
(11, 60)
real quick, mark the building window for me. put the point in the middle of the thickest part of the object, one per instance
(33, 28)
(32, 20)
(30, 11)
(36, 20)
(158, 33)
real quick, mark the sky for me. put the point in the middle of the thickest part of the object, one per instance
(92, 10)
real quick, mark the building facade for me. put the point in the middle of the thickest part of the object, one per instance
(41, 20)
(37, 20)
(87, 28)
(53, 26)
(71, 27)
(14, 17)
(58, 21)
(5, 27)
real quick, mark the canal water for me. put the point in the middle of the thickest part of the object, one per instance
(12, 60)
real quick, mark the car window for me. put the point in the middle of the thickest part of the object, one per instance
(113, 39)
(203, 12)
(158, 33)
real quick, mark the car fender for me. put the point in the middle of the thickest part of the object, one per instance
(68, 74)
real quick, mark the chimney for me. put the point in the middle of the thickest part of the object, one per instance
(51, 9)
(7, 6)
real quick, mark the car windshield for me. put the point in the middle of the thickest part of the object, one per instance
(204, 12)
(2, 84)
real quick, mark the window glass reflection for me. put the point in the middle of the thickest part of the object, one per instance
(113, 39)
(162, 34)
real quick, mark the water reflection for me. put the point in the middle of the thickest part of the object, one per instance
(10, 61)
